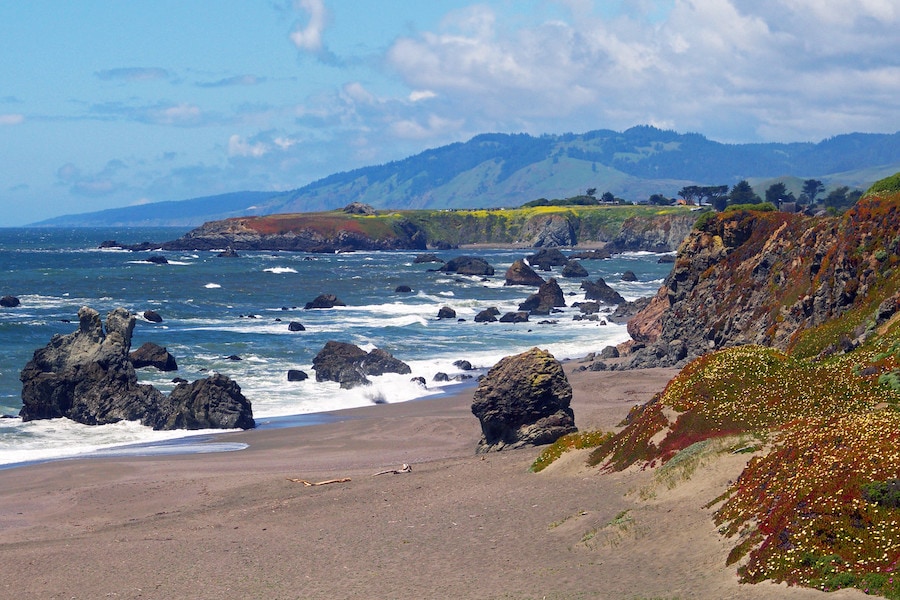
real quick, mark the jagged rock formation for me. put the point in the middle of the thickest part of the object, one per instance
(523, 401)
(751, 277)
(88, 377)
(349, 364)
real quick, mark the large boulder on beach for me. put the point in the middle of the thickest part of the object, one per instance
(467, 265)
(349, 365)
(88, 376)
(153, 355)
(215, 402)
(523, 401)
(519, 273)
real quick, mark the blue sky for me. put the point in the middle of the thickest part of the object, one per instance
(108, 103)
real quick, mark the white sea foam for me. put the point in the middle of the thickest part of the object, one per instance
(212, 286)
(279, 270)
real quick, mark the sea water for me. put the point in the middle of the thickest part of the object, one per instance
(216, 309)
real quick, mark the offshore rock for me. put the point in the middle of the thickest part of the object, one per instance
(153, 355)
(523, 401)
(87, 376)
(519, 273)
(9, 302)
(349, 365)
(574, 269)
(601, 292)
(545, 258)
(467, 265)
(488, 315)
(324, 301)
(548, 297)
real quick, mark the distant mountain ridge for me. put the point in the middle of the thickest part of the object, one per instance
(497, 170)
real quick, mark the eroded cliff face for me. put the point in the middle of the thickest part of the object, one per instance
(663, 233)
(748, 277)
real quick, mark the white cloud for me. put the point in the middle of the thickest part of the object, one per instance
(12, 119)
(419, 95)
(237, 146)
(178, 114)
(309, 37)
(734, 69)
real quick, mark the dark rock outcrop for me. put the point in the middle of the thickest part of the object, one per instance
(446, 312)
(520, 316)
(296, 375)
(324, 301)
(519, 273)
(152, 316)
(296, 326)
(601, 292)
(426, 258)
(545, 258)
(488, 315)
(573, 269)
(467, 265)
(157, 259)
(87, 376)
(359, 208)
(548, 297)
(153, 355)
(9, 302)
(228, 253)
(215, 402)
(629, 276)
(523, 401)
(402, 289)
(349, 364)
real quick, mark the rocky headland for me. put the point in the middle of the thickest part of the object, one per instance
(766, 277)
(359, 227)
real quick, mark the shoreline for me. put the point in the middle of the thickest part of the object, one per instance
(242, 525)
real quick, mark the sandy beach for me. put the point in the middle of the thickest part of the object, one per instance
(235, 525)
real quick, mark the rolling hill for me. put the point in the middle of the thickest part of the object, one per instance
(504, 170)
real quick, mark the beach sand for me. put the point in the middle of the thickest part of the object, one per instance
(233, 525)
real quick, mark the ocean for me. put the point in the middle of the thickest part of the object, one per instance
(214, 308)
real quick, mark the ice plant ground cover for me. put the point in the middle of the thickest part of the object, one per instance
(819, 503)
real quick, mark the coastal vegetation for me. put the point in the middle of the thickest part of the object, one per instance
(818, 503)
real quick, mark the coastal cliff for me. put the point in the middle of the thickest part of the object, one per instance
(623, 228)
(757, 277)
